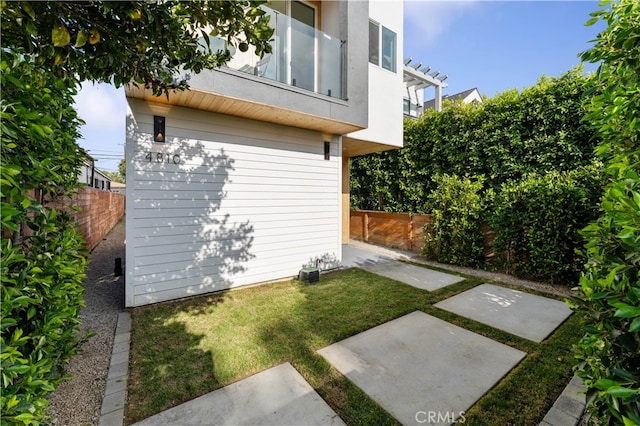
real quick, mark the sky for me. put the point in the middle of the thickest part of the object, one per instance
(491, 45)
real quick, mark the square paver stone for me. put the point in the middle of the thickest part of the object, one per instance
(353, 257)
(523, 314)
(422, 369)
(277, 396)
(426, 279)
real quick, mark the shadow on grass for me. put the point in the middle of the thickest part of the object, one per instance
(160, 379)
(184, 349)
(343, 304)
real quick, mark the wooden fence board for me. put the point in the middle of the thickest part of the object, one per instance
(397, 230)
(400, 230)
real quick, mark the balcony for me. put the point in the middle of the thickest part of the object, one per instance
(302, 83)
(302, 56)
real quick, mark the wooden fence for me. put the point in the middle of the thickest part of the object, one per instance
(396, 230)
(400, 230)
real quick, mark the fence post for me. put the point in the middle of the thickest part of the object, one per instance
(365, 226)
(411, 236)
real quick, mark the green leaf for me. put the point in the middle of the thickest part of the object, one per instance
(621, 392)
(135, 14)
(81, 40)
(624, 374)
(26, 418)
(626, 311)
(27, 8)
(628, 422)
(592, 21)
(635, 325)
(604, 384)
(60, 36)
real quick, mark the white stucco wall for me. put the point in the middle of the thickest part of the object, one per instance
(386, 88)
(224, 202)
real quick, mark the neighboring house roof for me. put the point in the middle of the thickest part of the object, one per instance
(467, 96)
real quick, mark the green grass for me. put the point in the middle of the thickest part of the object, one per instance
(185, 349)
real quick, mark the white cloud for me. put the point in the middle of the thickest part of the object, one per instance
(426, 20)
(101, 106)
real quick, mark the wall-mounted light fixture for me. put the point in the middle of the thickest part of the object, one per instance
(327, 150)
(159, 128)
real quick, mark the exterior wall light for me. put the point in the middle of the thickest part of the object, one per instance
(327, 150)
(159, 128)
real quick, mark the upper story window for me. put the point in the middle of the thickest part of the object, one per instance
(406, 107)
(388, 49)
(382, 46)
(374, 43)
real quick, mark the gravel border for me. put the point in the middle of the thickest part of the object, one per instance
(77, 402)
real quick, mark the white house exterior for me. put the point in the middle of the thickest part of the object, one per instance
(250, 183)
(93, 177)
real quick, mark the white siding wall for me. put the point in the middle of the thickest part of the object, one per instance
(247, 202)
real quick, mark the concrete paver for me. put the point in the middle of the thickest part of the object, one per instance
(420, 368)
(353, 257)
(426, 279)
(277, 396)
(385, 262)
(113, 418)
(569, 407)
(115, 393)
(558, 418)
(523, 314)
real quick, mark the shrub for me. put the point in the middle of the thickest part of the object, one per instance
(608, 356)
(41, 299)
(454, 235)
(43, 256)
(536, 222)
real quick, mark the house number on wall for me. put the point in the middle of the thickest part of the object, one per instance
(162, 157)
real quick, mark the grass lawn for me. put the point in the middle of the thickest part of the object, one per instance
(184, 349)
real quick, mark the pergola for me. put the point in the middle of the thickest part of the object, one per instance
(419, 78)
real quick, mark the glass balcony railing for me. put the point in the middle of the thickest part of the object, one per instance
(302, 56)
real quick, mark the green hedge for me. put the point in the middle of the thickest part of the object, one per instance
(608, 356)
(43, 256)
(537, 221)
(534, 156)
(454, 234)
(506, 138)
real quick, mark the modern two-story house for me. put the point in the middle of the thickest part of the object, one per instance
(244, 178)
